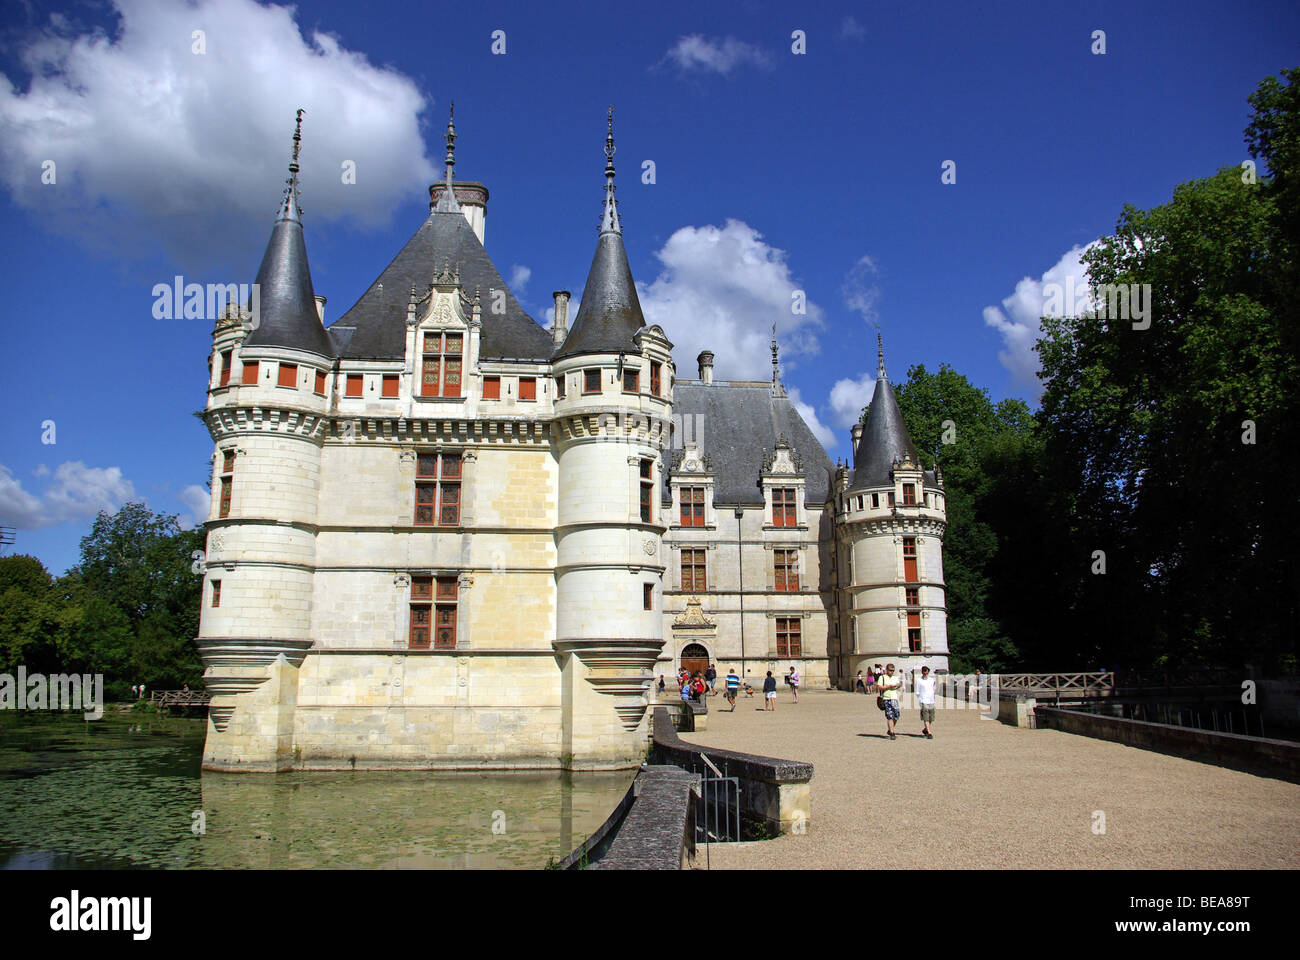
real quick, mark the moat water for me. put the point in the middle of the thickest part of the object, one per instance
(126, 792)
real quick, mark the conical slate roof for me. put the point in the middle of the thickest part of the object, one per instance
(444, 239)
(884, 439)
(610, 312)
(287, 315)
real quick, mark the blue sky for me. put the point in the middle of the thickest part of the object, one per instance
(774, 171)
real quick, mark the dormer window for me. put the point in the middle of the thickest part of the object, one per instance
(440, 364)
(783, 507)
(692, 504)
(909, 494)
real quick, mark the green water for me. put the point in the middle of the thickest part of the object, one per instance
(122, 792)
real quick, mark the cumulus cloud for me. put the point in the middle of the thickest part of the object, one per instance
(849, 396)
(720, 289)
(819, 430)
(157, 146)
(76, 491)
(519, 277)
(1017, 320)
(199, 501)
(695, 53)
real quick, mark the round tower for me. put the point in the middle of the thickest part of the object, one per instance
(612, 420)
(267, 406)
(890, 521)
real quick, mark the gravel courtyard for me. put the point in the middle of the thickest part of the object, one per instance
(983, 795)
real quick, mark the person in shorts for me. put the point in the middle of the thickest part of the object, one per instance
(733, 688)
(925, 701)
(710, 677)
(890, 684)
(859, 686)
(794, 683)
(769, 692)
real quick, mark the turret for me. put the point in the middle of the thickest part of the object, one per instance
(890, 524)
(267, 421)
(612, 413)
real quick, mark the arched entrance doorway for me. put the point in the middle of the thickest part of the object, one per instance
(694, 657)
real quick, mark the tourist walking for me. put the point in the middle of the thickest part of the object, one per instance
(710, 676)
(769, 692)
(733, 688)
(925, 701)
(890, 684)
(858, 685)
(793, 680)
(661, 683)
(697, 686)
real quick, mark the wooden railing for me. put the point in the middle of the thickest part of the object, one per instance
(1058, 684)
(180, 698)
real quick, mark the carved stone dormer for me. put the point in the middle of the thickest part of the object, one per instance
(693, 617)
(691, 471)
(783, 471)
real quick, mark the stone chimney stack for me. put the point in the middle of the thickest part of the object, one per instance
(320, 308)
(706, 366)
(560, 329)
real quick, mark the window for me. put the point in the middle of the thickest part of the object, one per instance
(656, 376)
(491, 388)
(631, 381)
(787, 570)
(527, 388)
(693, 571)
(444, 637)
(913, 596)
(353, 388)
(225, 367)
(783, 512)
(227, 481)
(875, 501)
(421, 612)
(320, 382)
(913, 636)
(216, 593)
(648, 596)
(440, 366)
(437, 489)
(909, 560)
(389, 387)
(909, 494)
(433, 604)
(250, 373)
(559, 388)
(288, 375)
(788, 641)
(647, 492)
(692, 499)
(891, 498)
(591, 381)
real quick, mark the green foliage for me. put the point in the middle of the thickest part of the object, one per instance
(129, 610)
(1144, 428)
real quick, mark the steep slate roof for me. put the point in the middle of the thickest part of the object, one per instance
(740, 427)
(610, 311)
(445, 238)
(287, 315)
(884, 437)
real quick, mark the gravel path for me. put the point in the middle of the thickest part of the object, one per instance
(986, 795)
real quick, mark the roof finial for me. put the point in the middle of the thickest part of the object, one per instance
(289, 207)
(777, 389)
(880, 356)
(447, 202)
(609, 222)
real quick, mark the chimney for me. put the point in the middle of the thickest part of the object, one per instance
(706, 366)
(857, 435)
(320, 308)
(472, 197)
(560, 329)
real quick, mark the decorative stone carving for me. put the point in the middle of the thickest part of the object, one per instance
(693, 616)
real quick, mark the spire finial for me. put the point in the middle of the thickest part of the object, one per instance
(777, 389)
(447, 203)
(880, 356)
(289, 208)
(609, 222)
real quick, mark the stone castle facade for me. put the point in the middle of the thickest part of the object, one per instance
(443, 536)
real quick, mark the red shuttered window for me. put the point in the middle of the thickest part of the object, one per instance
(250, 373)
(491, 388)
(441, 363)
(353, 388)
(909, 560)
(783, 507)
(787, 570)
(225, 367)
(288, 375)
(693, 571)
(320, 383)
(389, 386)
(527, 388)
(692, 506)
(789, 643)
(656, 375)
(437, 489)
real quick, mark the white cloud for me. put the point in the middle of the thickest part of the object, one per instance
(849, 396)
(720, 289)
(153, 141)
(199, 501)
(851, 29)
(41, 470)
(76, 492)
(819, 430)
(1018, 318)
(519, 277)
(697, 53)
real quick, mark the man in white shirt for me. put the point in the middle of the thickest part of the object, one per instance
(925, 699)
